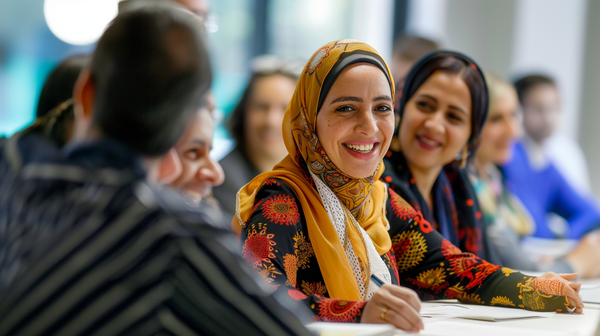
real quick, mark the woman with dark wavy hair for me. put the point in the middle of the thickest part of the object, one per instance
(443, 107)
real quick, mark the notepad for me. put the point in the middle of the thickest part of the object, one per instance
(456, 328)
(482, 313)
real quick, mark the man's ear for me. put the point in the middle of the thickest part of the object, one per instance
(169, 167)
(84, 94)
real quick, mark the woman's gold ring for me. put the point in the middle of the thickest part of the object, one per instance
(383, 314)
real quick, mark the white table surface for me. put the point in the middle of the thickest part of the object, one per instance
(585, 324)
(574, 324)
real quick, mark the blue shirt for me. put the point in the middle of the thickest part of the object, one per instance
(544, 191)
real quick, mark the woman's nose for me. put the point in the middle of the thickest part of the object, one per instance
(366, 123)
(212, 172)
(435, 122)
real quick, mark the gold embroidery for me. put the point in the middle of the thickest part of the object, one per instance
(410, 248)
(291, 269)
(303, 250)
(501, 300)
(457, 288)
(433, 277)
(507, 271)
(314, 288)
(268, 271)
(470, 298)
(532, 298)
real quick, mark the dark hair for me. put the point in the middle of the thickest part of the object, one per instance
(411, 48)
(237, 119)
(60, 83)
(151, 72)
(524, 84)
(452, 63)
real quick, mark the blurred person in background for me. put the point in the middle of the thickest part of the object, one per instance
(199, 172)
(534, 177)
(406, 52)
(54, 113)
(200, 8)
(443, 108)
(507, 219)
(255, 125)
(103, 250)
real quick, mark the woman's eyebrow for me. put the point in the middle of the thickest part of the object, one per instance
(459, 109)
(347, 98)
(428, 96)
(380, 98)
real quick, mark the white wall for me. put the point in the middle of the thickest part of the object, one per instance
(549, 37)
(373, 24)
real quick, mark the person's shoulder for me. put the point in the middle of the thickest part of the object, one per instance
(276, 185)
(166, 202)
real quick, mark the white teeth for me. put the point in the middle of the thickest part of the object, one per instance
(429, 142)
(360, 148)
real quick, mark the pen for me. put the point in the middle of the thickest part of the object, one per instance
(376, 280)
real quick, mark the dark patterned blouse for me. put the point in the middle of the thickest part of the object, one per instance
(277, 244)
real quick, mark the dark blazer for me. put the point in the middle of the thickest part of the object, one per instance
(88, 247)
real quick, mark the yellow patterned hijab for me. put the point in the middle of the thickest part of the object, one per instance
(364, 197)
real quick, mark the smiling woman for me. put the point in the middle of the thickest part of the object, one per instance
(443, 108)
(356, 120)
(324, 229)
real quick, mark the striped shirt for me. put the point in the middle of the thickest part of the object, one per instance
(87, 247)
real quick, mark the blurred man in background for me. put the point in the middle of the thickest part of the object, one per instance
(407, 50)
(88, 245)
(533, 175)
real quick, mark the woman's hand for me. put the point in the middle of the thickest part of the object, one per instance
(561, 284)
(396, 305)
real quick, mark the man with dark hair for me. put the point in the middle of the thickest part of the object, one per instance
(536, 178)
(87, 245)
(407, 50)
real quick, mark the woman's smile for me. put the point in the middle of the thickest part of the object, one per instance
(362, 151)
(427, 143)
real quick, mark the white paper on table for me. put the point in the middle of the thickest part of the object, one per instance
(483, 313)
(351, 329)
(589, 287)
(455, 328)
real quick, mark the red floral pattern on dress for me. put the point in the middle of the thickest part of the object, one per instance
(296, 294)
(332, 310)
(256, 205)
(281, 209)
(272, 182)
(466, 266)
(258, 247)
(483, 270)
(473, 240)
(401, 208)
(423, 224)
(448, 249)
(422, 285)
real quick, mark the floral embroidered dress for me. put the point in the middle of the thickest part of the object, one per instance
(330, 239)
(277, 244)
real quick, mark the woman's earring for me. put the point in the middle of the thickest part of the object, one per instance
(463, 160)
